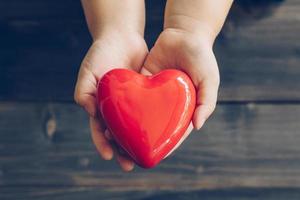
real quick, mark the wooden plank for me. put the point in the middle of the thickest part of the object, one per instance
(40, 55)
(94, 193)
(55, 9)
(262, 53)
(45, 61)
(40, 9)
(251, 145)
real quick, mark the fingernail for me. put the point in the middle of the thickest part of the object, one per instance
(200, 124)
(107, 153)
(107, 156)
(107, 134)
(127, 166)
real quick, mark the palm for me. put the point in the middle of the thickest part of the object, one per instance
(193, 55)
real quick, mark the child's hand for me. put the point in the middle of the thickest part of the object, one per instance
(109, 51)
(190, 28)
(117, 28)
(192, 54)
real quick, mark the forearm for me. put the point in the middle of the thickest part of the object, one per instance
(203, 17)
(104, 16)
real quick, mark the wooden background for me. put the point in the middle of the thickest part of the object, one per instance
(249, 149)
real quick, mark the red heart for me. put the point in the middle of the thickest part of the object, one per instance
(147, 115)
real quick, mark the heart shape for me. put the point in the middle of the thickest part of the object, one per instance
(147, 115)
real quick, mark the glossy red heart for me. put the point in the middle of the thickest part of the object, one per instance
(147, 115)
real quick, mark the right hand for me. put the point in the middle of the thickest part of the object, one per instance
(113, 50)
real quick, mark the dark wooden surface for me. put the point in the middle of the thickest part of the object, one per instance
(43, 43)
(242, 146)
(249, 149)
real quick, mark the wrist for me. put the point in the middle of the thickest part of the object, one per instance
(117, 34)
(203, 17)
(114, 15)
(198, 37)
(191, 26)
(125, 42)
(185, 43)
(111, 30)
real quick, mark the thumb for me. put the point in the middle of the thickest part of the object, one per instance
(207, 92)
(85, 91)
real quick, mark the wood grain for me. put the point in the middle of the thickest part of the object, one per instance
(259, 58)
(249, 145)
(246, 150)
(94, 193)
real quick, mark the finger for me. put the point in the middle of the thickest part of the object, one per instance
(101, 143)
(85, 91)
(145, 72)
(125, 162)
(207, 93)
(185, 135)
(152, 64)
